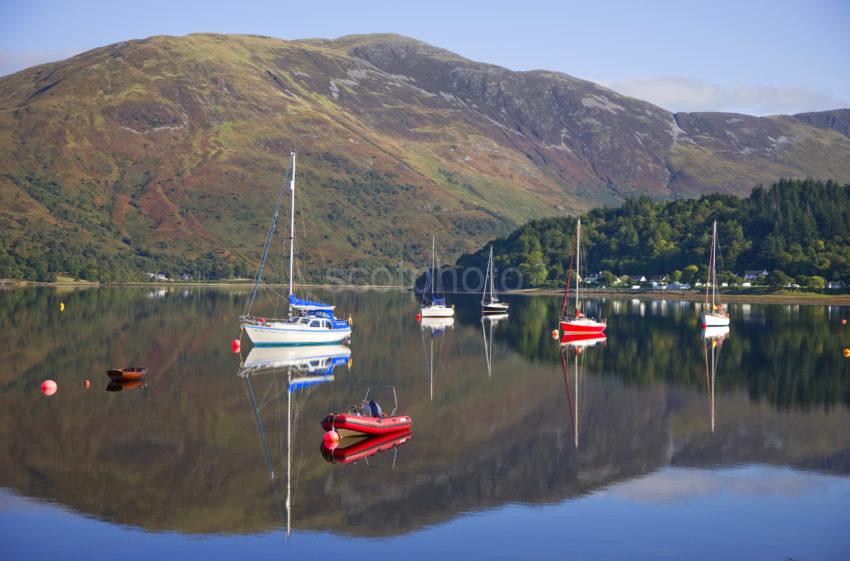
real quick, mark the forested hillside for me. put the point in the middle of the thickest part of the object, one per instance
(793, 229)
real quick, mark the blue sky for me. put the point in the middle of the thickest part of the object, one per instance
(759, 57)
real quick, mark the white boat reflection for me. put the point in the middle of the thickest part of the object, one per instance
(488, 325)
(319, 360)
(713, 338)
(299, 368)
(437, 324)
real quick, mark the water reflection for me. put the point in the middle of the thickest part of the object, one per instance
(299, 368)
(713, 338)
(639, 406)
(576, 344)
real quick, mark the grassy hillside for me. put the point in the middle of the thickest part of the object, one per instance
(165, 154)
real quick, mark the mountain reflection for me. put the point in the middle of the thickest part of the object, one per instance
(201, 449)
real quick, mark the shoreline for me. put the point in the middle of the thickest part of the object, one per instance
(805, 298)
(808, 298)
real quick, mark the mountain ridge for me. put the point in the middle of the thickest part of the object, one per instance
(162, 153)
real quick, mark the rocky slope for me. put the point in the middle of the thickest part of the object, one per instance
(148, 153)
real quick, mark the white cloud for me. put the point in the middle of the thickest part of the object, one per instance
(677, 93)
(682, 484)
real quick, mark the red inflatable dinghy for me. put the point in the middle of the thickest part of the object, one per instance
(367, 419)
(352, 424)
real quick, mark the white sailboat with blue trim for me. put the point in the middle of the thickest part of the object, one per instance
(309, 322)
(434, 306)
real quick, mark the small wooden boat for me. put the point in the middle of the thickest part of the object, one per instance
(126, 374)
(360, 448)
(367, 419)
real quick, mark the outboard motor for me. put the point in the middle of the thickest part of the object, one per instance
(375, 409)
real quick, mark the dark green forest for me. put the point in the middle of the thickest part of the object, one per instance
(797, 230)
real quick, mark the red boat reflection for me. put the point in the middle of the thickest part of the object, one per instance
(352, 450)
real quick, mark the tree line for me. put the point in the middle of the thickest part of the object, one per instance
(797, 230)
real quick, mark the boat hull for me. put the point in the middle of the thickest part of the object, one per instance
(126, 374)
(265, 335)
(494, 308)
(582, 326)
(713, 320)
(436, 312)
(347, 424)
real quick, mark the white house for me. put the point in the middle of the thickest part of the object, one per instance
(754, 275)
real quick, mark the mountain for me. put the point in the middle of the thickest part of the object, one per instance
(166, 154)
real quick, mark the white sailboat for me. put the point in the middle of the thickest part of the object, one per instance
(434, 306)
(714, 314)
(490, 303)
(309, 322)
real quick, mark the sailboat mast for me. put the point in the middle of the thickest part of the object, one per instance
(292, 224)
(492, 272)
(433, 265)
(714, 265)
(578, 260)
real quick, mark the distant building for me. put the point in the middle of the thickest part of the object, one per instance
(636, 279)
(660, 279)
(834, 285)
(754, 275)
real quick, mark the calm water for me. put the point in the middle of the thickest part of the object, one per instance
(655, 444)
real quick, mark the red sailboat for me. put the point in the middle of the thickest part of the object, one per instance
(577, 322)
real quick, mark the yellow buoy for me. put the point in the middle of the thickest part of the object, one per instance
(846, 353)
(61, 306)
(350, 321)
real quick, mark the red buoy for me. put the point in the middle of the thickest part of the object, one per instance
(235, 345)
(49, 387)
(418, 317)
(87, 384)
(331, 440)
(844, 322)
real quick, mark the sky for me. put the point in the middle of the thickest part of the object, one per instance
(749, 56)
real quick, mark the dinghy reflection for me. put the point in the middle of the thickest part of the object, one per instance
(712, 339)
(352, 450)
(293, 371)
(576, 345)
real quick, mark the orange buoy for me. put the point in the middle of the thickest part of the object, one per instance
(418, 317)
(235, 345)
(49, 387)
(846, 353)
(331, 439)
(554, 334)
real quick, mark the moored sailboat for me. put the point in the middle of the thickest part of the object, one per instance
(490, 303)
(577, 322)
(434, 304)
(714, 314)
(309, 322)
